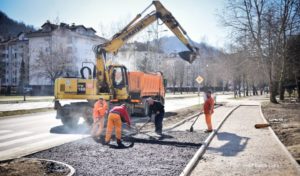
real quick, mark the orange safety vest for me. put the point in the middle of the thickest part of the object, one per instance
(99, 109)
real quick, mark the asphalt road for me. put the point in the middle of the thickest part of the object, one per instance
(25, 134)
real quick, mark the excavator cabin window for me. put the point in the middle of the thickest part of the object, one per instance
(118, 77)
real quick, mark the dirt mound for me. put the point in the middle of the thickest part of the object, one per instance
(285, 121)
(33, 167)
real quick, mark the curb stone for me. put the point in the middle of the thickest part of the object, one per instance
(189, 167)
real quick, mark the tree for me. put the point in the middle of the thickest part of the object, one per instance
(54, 64)
(265, 27)
(180, 71)
(293, 63)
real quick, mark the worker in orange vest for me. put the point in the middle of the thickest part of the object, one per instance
(99, 111)
(208, 109)
(116, 116)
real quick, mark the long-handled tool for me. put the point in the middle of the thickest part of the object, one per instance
(192, 128)
(139, 129)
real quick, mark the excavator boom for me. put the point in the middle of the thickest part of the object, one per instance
(134, 27)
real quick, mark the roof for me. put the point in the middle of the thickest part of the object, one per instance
(48, 27)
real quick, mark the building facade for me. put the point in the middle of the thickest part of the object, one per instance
(59, 50)
(50, 52)
(12, 53)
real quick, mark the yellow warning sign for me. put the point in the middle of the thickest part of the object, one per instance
(199, 79)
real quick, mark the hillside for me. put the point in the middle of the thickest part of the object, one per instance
(11, 28)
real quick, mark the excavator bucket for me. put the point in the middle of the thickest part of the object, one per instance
(188, 56)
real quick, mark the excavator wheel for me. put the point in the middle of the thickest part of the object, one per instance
(68, 118)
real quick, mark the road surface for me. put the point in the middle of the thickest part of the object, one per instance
(25, 134)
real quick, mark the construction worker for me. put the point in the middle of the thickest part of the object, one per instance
(158, 109)
(99, 111)
(116, 116)
(208, 109)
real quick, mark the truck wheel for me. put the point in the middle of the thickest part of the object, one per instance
(68, 118)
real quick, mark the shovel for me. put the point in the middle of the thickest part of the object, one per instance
(139, 129)
(192, 128)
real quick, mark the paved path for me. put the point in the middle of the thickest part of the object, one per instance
(240, 149)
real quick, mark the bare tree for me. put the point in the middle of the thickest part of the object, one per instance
(264, 26)
(53, 65)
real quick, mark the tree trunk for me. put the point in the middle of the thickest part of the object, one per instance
(173, 89)
(273, 91)
(298, 86)
(281, 91)
(281, 82)
(247, 89)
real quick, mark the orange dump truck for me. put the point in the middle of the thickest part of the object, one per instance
(143, 85)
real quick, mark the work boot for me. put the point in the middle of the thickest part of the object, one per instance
(105, 142)
(120, 144)
(208, 131)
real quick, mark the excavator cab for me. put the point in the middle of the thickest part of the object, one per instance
(119, 80)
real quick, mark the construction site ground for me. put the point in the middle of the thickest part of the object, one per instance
(148, 156)
(240, 149)
(237, 149)
(285, 121)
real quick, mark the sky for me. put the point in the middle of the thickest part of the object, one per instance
(198, 17)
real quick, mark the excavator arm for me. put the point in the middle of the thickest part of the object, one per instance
(134, 27)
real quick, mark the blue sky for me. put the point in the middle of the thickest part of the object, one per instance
(198, 17)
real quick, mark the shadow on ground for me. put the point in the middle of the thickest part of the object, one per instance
(79, 129)
(234, 145)
(169, 139)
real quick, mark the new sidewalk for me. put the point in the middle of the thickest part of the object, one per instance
(240, 149)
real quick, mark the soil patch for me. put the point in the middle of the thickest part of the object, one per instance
(285, 121)
(33, 167)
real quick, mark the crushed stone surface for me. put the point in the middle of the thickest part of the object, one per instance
(148, 156)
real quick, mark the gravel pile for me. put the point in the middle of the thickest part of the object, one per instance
(148, 156)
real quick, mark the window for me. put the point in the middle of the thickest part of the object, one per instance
(117, 74)
(119, 77)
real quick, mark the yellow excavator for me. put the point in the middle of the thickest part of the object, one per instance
(111, 81)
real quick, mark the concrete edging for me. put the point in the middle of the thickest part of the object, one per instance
(72, 170)
(7, 114)
(288, 154)
(186, 171)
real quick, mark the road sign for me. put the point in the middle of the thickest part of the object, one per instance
(199, 79)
